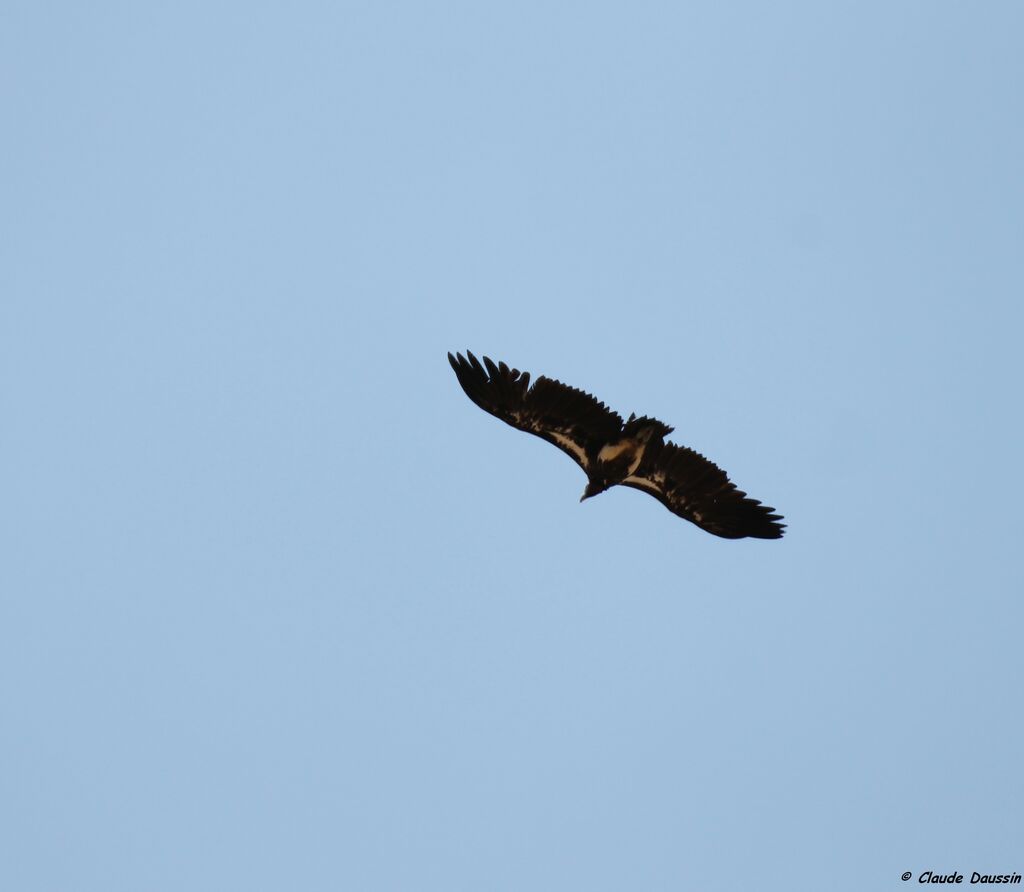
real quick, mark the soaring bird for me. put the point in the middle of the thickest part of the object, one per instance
(634, 453)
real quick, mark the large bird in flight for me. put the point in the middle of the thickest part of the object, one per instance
(634, 453)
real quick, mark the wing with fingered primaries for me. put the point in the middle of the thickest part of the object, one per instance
(569, 418)
(698, 490)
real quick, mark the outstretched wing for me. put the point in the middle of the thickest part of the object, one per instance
(569, 418)
(694, 488)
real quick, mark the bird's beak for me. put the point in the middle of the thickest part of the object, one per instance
(585, 495)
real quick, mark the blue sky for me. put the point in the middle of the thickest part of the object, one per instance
(281, 609)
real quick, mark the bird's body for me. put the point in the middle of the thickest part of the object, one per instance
(612, 452)
(613, 463)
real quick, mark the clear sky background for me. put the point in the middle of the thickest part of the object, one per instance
(281, 609)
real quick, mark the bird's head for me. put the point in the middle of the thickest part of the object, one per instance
(594, 488)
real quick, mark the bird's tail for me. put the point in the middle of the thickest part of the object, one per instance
(646, 428)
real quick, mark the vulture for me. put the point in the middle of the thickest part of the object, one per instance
(611, 452)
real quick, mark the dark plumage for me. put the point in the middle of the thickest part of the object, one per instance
(634, 453)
